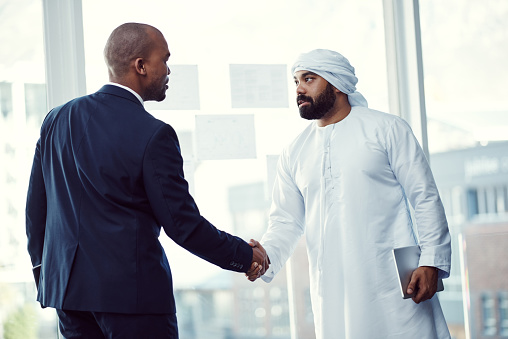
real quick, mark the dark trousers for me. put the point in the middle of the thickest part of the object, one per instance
(102, 325)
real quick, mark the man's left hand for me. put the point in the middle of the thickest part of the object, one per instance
(423, 283)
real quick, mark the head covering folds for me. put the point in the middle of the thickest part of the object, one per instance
(334, 68)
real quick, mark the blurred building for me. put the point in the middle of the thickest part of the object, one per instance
(22, 110)
(486, 279)
(284, 300)
(473, 184)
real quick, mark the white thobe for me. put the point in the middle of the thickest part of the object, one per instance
(346, 186)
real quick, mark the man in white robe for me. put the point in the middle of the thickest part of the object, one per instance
(346, 181)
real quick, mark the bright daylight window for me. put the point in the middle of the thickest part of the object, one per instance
(232, 102)
(22, 108)
(465, 52)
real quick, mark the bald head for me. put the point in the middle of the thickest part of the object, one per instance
(125, 44)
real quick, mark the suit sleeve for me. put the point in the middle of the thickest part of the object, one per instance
(176, 211)
(413, 172)
(35, 212)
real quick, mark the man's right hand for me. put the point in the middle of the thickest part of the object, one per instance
(260, 261)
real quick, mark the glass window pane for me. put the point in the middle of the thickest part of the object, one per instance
(22, 107)
(465, 79)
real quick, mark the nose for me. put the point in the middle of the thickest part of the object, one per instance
(300, 89)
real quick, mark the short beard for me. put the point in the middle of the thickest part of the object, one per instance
(320, 107)
(155, 92)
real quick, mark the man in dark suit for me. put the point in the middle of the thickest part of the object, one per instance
(106, 176)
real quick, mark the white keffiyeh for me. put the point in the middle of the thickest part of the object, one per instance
(334, 68)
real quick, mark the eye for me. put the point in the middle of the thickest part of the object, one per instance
(307, 79)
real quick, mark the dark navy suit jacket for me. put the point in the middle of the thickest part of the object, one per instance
(106, 176)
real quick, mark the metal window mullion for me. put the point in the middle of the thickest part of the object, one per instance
(63, 50)
(400, 37)
(420, 77)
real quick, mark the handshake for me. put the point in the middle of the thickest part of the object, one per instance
(260, 261)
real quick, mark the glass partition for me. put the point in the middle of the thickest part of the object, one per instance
(465, 52)
(23, 107)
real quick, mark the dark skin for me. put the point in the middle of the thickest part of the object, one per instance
(308, 84)
(257, 270)
(311, 85)
(423, 283)
(144, 71)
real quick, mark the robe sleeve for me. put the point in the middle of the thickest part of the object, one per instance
(287, 219)
(413, 172)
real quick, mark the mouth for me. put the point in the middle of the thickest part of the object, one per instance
(302, 102)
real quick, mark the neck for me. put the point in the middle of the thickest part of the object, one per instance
(128, 82)
(339, 111)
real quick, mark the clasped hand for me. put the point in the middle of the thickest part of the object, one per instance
(423, 283)
(260, 261)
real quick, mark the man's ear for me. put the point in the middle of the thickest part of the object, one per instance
(139, 64)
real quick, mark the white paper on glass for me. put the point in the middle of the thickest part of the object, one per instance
(225, 137)
(258, 86)
(183, 91)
